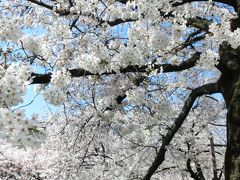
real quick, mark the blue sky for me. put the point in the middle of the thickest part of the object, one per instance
(37, 105)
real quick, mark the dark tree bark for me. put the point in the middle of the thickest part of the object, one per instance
(232, 157)
(230, 87)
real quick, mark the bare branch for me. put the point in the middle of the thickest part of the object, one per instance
(205, 89)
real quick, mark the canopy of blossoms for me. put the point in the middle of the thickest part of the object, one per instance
(132, 83)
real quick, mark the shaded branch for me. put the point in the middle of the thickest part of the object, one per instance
(200, 23)
(117, 21)
(205, 89)
(41, 78)
(46, 78)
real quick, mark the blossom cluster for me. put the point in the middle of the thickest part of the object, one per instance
(159, 40)
(20, 130)
(92, 63)
(127, 56)
(10, 31)
(55, 95)
(31, 44)
(111, 126)
(208, 59)
(224, 31)
(136, 95)
(14, 84)
(61, 78)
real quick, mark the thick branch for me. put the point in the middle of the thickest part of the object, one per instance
(205, 89)
(200, 23)
(46, 78)
(117, 21)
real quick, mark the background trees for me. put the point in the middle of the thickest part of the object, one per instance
(133, 81)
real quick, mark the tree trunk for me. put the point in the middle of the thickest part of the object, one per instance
(232, 156)
(229, 82)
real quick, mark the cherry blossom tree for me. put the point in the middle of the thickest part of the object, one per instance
(134, 83)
